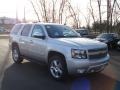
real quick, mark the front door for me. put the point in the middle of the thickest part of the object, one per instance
(37, 45)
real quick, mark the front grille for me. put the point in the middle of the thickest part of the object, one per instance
(97, 53)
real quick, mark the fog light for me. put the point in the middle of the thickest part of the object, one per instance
(81, 71)
(92, 71)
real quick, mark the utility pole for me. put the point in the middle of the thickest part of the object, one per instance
(16, 15)
(24, 20)
(16, 12)
(108, 15)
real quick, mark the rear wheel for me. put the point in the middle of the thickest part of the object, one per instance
(16, 55)
(57, 67)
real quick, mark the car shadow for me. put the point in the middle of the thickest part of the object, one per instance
(114, 52)
(31, 76)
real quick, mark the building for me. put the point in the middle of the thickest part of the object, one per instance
(6, 20)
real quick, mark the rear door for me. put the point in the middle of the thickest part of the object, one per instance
(14, 33)
(24, 39)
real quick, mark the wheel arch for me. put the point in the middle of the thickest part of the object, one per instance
(14, 44)
(53, 53)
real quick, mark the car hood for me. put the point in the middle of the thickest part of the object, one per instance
(104, 40)
(101, 39)
(80, 42)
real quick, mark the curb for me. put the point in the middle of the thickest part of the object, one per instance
(4, 37)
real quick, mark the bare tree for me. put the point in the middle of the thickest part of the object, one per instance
(100, 15)
(111, 17)
(87, 18)
(35, 11)
(92, 11)
(44, 10)
(53, 10)
(99, 6)
(118, 5)
(74, 15)
(61, 9)
(47, 10)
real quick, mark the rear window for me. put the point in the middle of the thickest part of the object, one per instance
(16, 29)
(26, 30)
(107, 36)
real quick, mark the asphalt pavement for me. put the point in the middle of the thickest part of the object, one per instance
(4, 53)
(32, 76)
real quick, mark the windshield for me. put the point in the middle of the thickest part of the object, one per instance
(106, 36)
(83, 32)
(60, 31)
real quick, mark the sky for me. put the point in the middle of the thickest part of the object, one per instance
(8, 8)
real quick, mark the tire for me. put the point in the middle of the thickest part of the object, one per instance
(57, 67)
(110, 46)
(118, 48)
(16, 55)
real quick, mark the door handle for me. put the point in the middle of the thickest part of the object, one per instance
(31, 41)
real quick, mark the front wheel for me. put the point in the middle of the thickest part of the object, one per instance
(118, 47)
(57, 67)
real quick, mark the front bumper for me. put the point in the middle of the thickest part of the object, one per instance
(77, 66)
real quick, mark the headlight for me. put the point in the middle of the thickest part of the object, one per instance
(79, 54)
(119, 43)
(105, 41)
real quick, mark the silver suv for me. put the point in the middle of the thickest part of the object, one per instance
(60, 47)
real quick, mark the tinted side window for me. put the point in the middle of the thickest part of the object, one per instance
(115, 36)
(26, 30)
(16, 29)
(37, 30)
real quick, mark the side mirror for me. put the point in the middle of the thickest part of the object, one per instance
(38, 35)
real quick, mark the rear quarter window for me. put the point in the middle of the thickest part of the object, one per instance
(16, 29)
